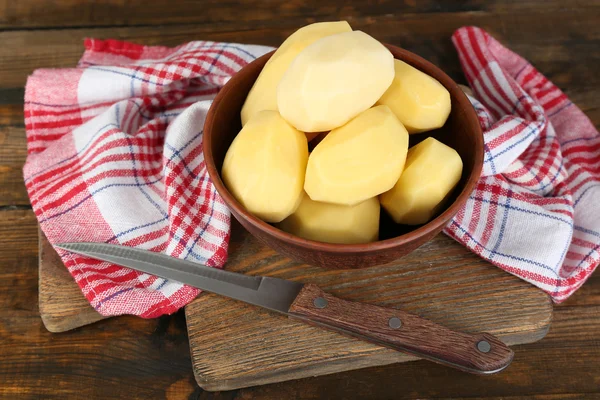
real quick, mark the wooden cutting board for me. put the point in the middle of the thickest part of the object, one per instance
(235, 345)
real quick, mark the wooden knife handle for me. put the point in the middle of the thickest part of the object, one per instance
(479, 353)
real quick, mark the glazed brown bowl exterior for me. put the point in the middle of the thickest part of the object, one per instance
(461, 132)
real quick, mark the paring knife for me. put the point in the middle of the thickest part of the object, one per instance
(480, 353)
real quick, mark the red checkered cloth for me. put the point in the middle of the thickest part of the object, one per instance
(114, 155)
(535, 212)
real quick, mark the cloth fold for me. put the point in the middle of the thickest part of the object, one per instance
(536, 210)
(114, 155)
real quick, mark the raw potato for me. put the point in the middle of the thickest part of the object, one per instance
(333, 80)
(432, 171)
(263, 95)
(419, 101)
(334, 223)
(264, 166)
(359, 160)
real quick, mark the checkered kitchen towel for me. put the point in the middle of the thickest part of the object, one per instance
(536, 210)
(114, 156)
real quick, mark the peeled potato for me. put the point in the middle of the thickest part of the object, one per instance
(333, 80)
(263, 95)
(432, 170)
(334, 223)
(419, 101)
(359, 160)
(264, 166)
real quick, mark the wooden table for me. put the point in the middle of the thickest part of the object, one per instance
(112, 359)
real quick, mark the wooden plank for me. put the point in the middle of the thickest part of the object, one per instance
(125, 357)
(62, 305)
(587, 295)
(563, 365)
(441, 281)
(426, 34)
(11, 107)
(77, 13)
(11, 115)
(12, 157)
(562, 396)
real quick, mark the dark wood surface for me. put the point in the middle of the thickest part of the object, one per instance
(131, 358)
(62, 305)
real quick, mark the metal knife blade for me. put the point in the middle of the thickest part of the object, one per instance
(272, 293)
(476, 353)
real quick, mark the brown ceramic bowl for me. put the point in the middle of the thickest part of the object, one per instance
(461, 132)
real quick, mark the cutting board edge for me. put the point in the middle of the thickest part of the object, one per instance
(359, 362)
(67, 323)
(53, 321)
(326, 367)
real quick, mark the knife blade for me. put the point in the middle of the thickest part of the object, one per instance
(480, 353)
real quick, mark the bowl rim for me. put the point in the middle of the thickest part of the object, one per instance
(435, 225)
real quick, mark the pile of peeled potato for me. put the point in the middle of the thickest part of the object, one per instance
(345, 87)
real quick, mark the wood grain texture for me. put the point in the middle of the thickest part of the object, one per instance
(12, 157)
(62, 305)
(412, 334)
(563, 365)
(11, 114)
(559, 53)
(440, 281)
(77, 13)
(564, 396)
(125, 357)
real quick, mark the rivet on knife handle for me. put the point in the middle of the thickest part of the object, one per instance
(480, 353)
